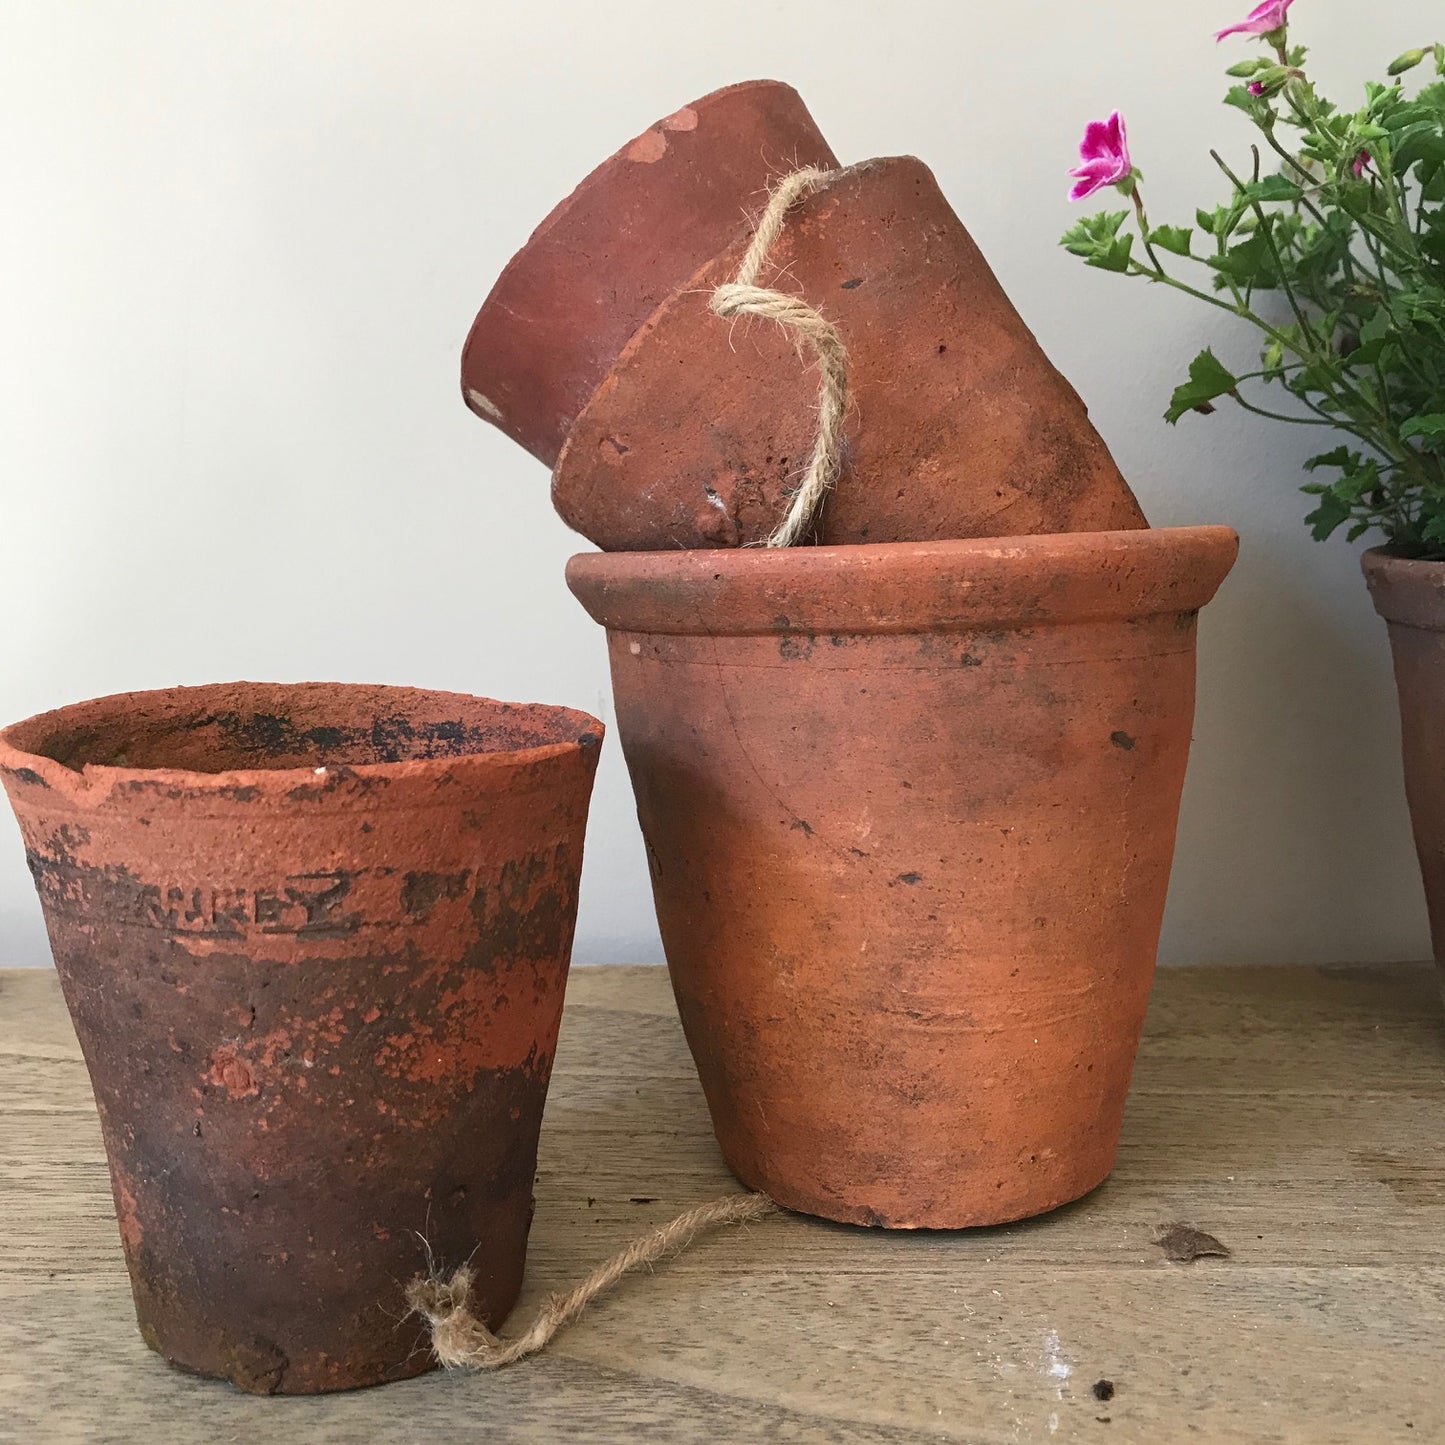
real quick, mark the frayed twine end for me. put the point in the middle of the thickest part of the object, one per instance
(461, 1340)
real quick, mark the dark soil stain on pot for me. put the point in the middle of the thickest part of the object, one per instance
(1122, 740)
(27, 775)
(421, 892)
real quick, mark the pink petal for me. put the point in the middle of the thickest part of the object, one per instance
(1105, 138)
(1260, 21)
(1085, 188)
(1104, 170)
(1100, 138)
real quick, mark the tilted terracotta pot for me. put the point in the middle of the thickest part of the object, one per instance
(314, 941)
(959, 426)
(638, 226)
(1410, 596)
(910, 814)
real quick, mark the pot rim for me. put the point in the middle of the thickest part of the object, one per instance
(1406, 590)
(906, 587)
(580, 195)
(97, 780)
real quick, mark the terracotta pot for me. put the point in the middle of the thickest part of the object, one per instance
(959, 426)
(314, 941)
(1410, 596)
(910, 814)
(639, 225)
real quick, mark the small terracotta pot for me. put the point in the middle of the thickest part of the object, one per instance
(314, 941)
(1410, 596)
(958, 426)
(638, 226)
(910, 814)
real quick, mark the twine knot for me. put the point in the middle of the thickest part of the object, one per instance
(742, 296)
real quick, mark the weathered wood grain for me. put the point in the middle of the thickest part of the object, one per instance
(1298, 1114)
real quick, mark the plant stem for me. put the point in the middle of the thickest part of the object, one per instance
(1278, 415)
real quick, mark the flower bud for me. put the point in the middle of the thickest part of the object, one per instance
(1408, 61)
(1270, 79)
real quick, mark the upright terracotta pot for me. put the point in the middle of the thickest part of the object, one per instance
(910, 814)
(314, 941)
(638, 226)
(1410, 596)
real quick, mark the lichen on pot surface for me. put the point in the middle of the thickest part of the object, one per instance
(910, 813)
(314, 940)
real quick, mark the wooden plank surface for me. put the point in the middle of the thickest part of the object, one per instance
(1298, 1114)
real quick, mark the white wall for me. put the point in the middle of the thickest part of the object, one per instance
(241, 247)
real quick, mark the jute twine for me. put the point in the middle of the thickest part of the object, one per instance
(744, 297)
(460, 1339)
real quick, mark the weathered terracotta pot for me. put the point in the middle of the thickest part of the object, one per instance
(910, 814)
(314, 941)
(638, 226)
(959, 426)
(1410, 596)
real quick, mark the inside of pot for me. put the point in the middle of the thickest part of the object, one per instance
(278, 726)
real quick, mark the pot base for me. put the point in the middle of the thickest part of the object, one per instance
(940, 1216)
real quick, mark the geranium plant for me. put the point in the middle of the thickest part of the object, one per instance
(1332, 244)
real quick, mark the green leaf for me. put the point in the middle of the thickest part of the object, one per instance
(1341, 457)
(1174, 239)
(1239, 97)
(1357, 483)
(1429, 424)
(1208, 378)
(1249, 262)
(1271, 188)
(1115, 257)
(1094, 235)
(1330, 513)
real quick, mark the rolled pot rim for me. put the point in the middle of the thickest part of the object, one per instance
(580, 194)
(906, 587)
(97, 780)
(1407, 590)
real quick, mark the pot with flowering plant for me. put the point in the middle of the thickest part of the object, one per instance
(1331, 244)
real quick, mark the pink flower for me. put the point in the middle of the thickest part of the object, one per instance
(1104, 152)
(1260, 21)
(1256, 87)
(1361, 163)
